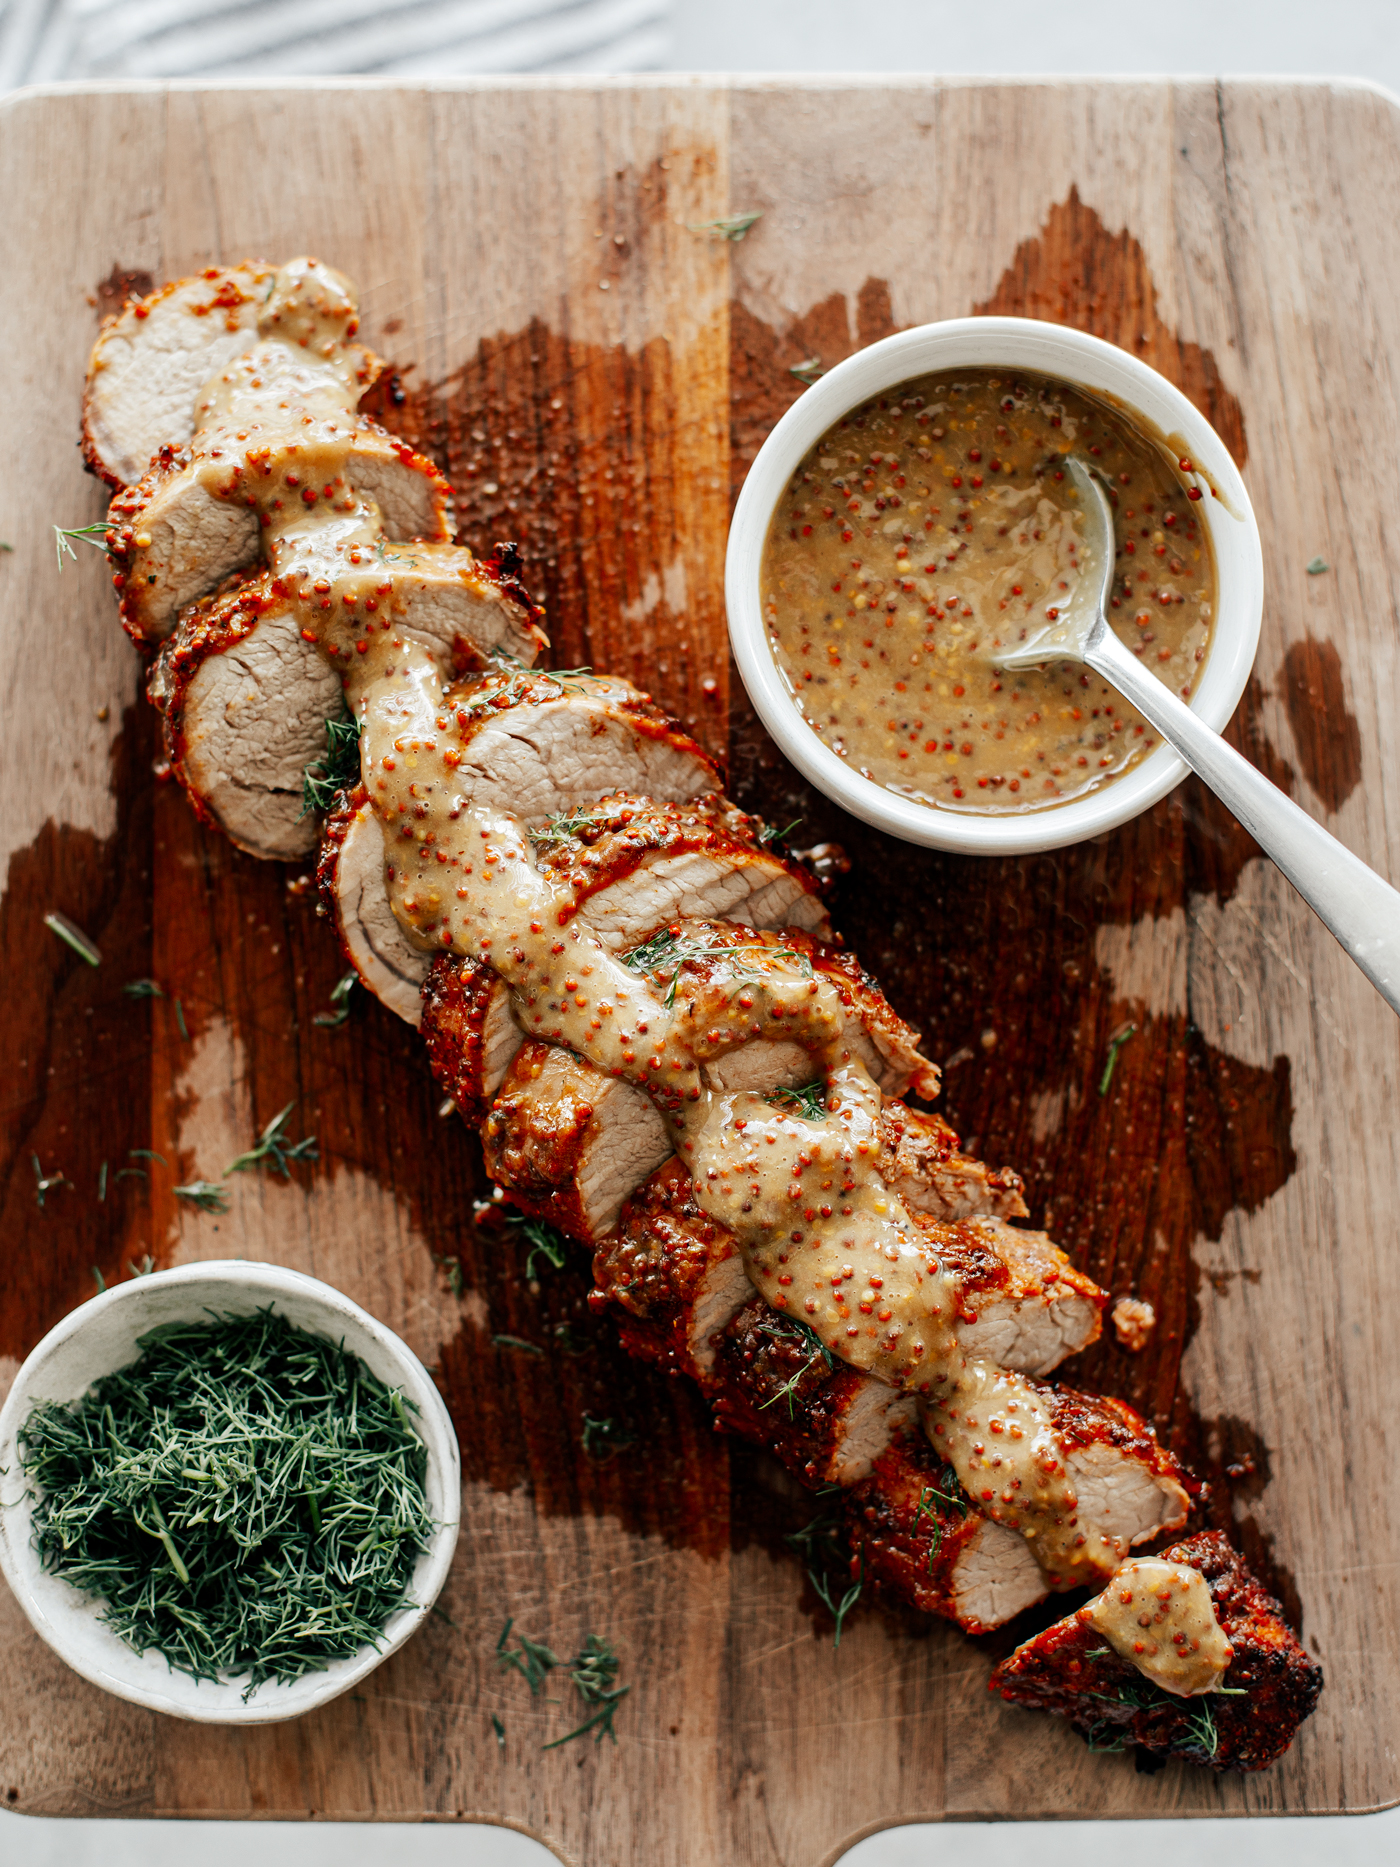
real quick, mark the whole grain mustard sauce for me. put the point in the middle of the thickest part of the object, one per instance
(933, 527)
(1161, 1617)
(823, 1238)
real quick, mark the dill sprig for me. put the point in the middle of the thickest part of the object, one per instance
(566, 827)
(208, 1195)
(929, 1499)
(530, 1658)
(44, 1184)
(821, 1547)
(142, 988)
(546, 1242)
(74, 937)
(246, 1498)
(769, 833)
(669, 952)
(272, 1146)
(809, 1101)
(789, 1331)
(731, 227)
(593, 1671)
(340, 998)
(94, 535)
(1115, 1044)
(1200, 1722)
(338, 769)
(604, 1438)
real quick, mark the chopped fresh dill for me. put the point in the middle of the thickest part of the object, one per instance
(246, 1498)
(44, 1184)
(74, 937)
(807, 371)
(340, 998)
(144, 1153)
(604, 1438)
(564, 828)
(1201, 1724)
(99, 1280)
(1098, 1653)
(142, 988)
(102, 1184)
(593, 1671)
(1104, 1735)
(1115, 1044)
(545, 1242)
(669, 952)
(273, 1147)
(809, 1101)
(731, 227)
(516, 1341)
(180, 1021)
(94, 535)
(791, 1332)
(144, 1268)
(208, 1195)
(929, 1499)
(820, 1545)
(452, 1270)
(1317, 566)
(338, 768)
(530, 1658)
(770, 834)
(499, 1729)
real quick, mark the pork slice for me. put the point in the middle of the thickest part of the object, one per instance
(187, 525)
(568, 1142)
(634, 863)
(543, 746)
(153, 357)
(1272, 1683)
(921, 1161)
(774, 1384)
(699, 958)
(245, 699)
(350, 875)
(1024, 1304)
(674, 1277)
(918, 1540)
(469, 1027)
(1128, 1485)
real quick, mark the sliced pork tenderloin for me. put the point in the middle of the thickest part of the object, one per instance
(672, 1276)
(245, 698)
(633, 863)
(1024, 1305)
(922, 1162)
(153, 357)
(1271, 1684)
(544, 746)
(468, 1024)
(569, 1143)
(188, 525)
(350, 877)
(1127, 1483)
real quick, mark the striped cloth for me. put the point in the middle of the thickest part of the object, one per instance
(41, 40)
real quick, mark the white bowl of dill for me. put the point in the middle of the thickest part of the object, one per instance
(226, 1492)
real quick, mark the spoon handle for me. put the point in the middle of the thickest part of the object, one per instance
(1349, 898)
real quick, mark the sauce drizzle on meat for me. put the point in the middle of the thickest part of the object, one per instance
(823, 1237)
(1161, 1617)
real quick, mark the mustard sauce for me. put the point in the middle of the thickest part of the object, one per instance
(1161, 1617)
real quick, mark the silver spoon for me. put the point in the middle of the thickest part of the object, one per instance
(1349, 898)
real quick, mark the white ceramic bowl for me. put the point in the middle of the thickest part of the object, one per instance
(100, 1337)
(1087, 363)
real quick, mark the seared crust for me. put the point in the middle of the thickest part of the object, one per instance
(458, 996)
(909, 1525)
(1272, 1683)
(923, 1163)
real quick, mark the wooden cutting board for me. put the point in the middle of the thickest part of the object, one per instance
(595, 374)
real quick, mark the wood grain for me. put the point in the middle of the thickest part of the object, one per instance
(596, 376)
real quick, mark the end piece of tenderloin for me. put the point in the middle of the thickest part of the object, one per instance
(922, 1163)
(568, 1142)
(1024, 1305)
(1271, 1683)
(245, 698)
(153, 357)
(187, 526)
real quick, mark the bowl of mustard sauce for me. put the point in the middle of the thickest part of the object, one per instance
(909, 518)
